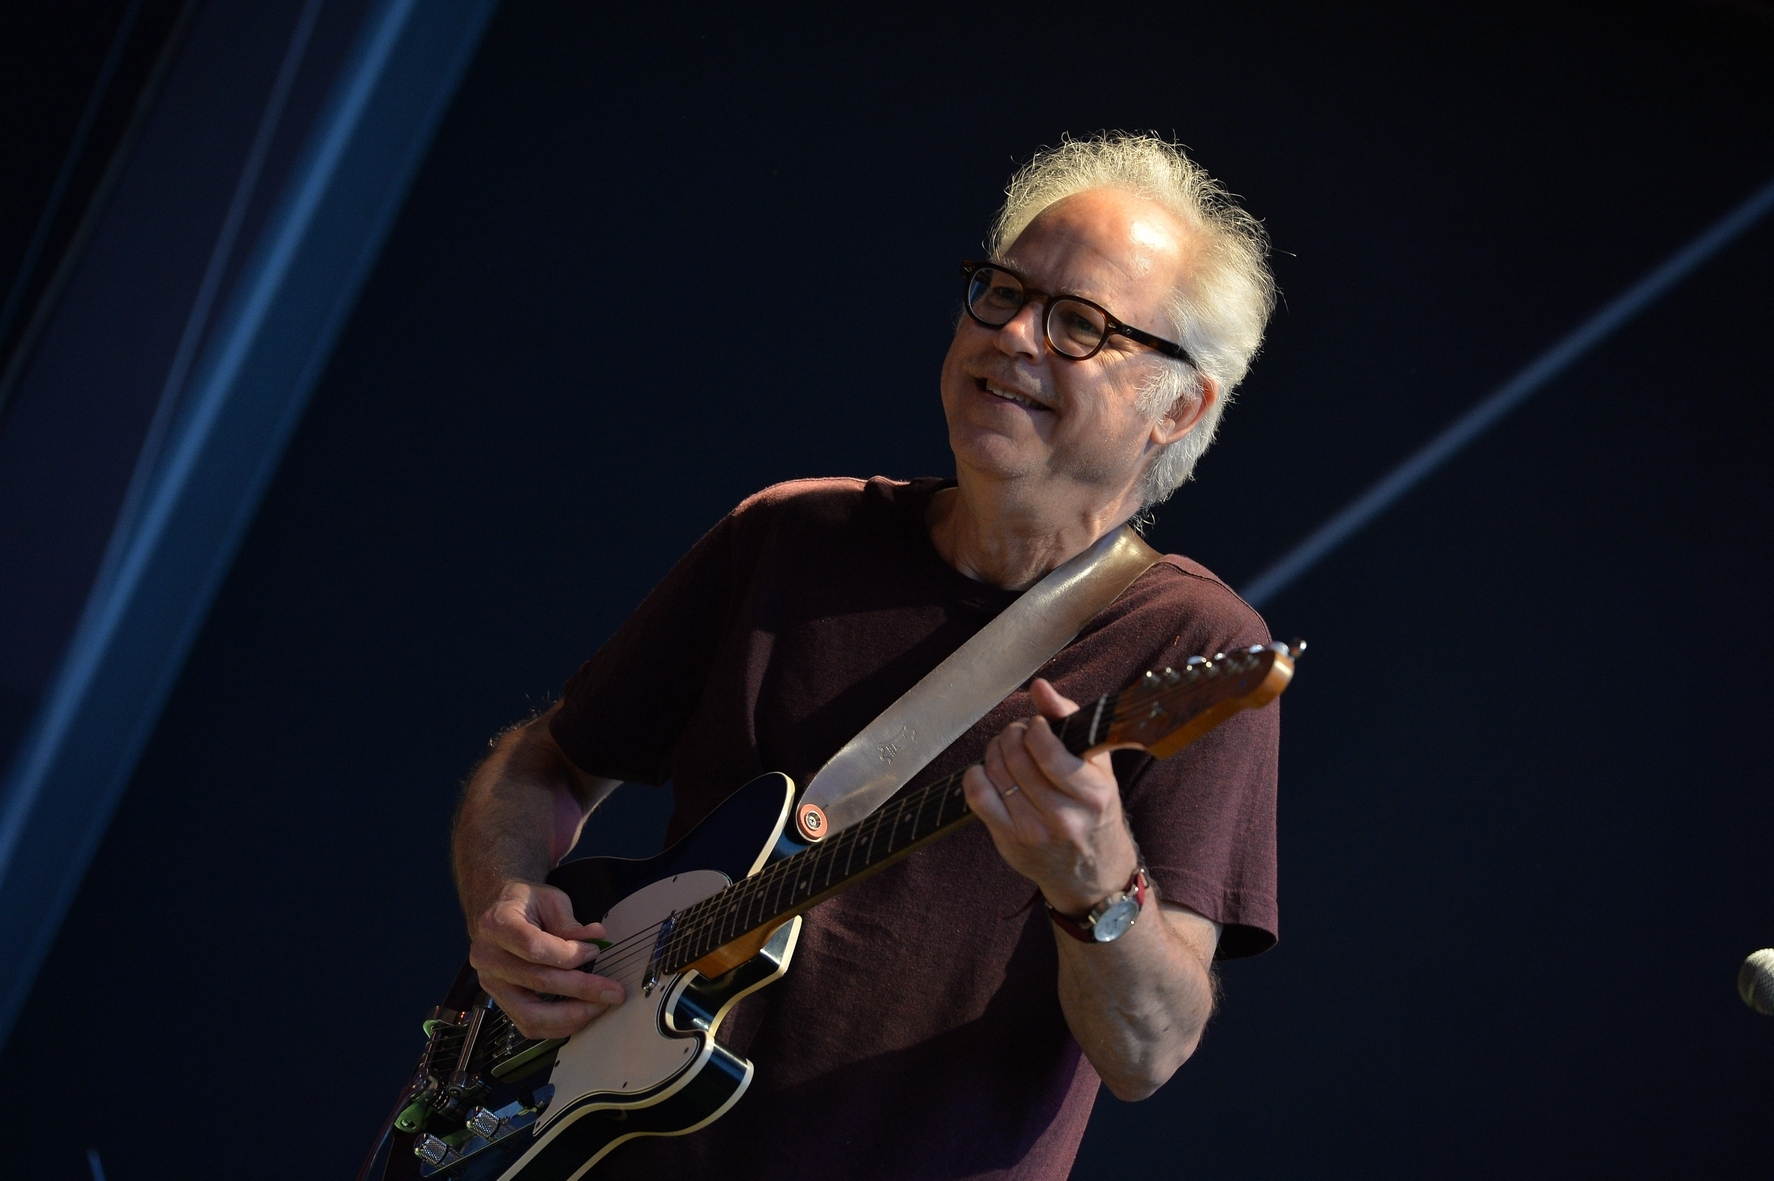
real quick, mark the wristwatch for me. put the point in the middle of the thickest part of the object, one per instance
(1109, 919)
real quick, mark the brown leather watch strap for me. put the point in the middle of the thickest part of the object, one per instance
(1078, 929)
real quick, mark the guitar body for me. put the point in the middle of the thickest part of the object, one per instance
(651, 1066)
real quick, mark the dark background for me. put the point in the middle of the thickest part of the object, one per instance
(1525, 810)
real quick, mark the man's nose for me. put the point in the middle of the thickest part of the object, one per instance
(1021, 334)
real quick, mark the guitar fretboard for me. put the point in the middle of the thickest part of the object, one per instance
(1150, 708)
(780, 891)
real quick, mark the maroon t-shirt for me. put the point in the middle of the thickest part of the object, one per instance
(918, 1032)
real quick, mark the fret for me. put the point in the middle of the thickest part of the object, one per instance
(783, 887)
(890, 828)
(781, 891)
(735, 925)
(755, 909)
(891, 824)
(684, 936)
(831, 854)
(708, 933)
(729, 927)
(687, 934)
(832, 873)
(705, 932)
(687, 923)
(930, 798)
(933, 797)
(873, 823)
(1111, 715)
(850, 853)
(757, 902)
(828, 862)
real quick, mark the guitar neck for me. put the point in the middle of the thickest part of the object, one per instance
(893, 831)
(1160, 713)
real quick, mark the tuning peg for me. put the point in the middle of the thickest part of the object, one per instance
(1150, 680)
(1296, 648)
(1194, 662)
(1171, 675)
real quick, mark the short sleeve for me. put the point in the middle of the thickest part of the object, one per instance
(1205, 817)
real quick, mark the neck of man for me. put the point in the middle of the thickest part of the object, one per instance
(1008, 534)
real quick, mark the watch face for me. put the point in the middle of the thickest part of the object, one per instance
(1114, 921)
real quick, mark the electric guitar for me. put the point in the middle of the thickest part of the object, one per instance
(691, 931)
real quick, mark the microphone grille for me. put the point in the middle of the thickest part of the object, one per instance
(1755, 981)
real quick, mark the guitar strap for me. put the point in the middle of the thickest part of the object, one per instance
(978, 675)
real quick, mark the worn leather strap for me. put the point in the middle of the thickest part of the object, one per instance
(979, 674)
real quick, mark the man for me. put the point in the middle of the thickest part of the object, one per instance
(933, 1024)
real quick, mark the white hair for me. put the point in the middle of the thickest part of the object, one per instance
(1218, 311)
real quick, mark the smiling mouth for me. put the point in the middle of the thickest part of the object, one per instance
(998, 391)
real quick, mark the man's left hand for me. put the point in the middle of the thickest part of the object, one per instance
(1055, 818)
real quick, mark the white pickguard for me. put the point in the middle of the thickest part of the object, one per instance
(625, 1051)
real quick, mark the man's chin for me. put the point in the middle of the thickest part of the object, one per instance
(995, 457)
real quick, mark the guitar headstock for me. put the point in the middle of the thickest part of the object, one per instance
(1165, 710)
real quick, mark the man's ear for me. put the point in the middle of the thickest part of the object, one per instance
(1181, 418)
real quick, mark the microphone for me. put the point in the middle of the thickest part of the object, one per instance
(1755, 981)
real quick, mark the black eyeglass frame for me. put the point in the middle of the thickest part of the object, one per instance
(1114, 327)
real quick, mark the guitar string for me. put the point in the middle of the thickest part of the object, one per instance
(765, 882)
(747, 891)
(767, 885)
(621, 952)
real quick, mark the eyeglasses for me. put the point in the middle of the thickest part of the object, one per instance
(1074, 327)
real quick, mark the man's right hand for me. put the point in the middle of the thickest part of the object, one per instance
(528, 942)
